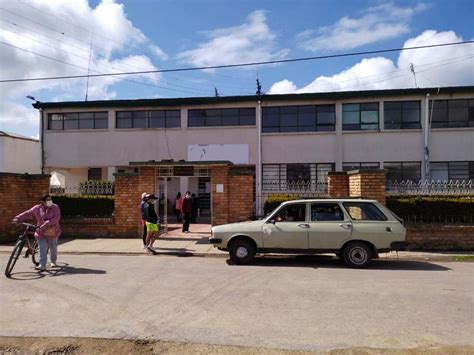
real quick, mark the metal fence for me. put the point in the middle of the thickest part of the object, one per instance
(296, 187)
(104, 189)
(452, 187)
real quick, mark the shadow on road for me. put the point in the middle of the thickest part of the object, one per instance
(63, 269)
(323, 261)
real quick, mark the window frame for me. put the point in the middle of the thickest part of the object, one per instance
(218, 115)
(356, 204)
(402, 123)
(447, 107)
(359, 126)
(147, 115)
(275, 114)
(78, 119)
(403, 168)
(343, 217)
(273, 216)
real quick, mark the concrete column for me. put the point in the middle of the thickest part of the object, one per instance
(183, 184)
(381, 116)
(339, 140)
(110, 173)
(111, 119)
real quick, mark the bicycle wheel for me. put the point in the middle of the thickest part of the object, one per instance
(14, 257)
(35, 253)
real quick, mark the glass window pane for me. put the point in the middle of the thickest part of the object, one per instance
(458, 170)
(439, 171)
(230, 120)
(101, 123)
(298, 172)
(364, 211)
(369, 117)
(157, 114)
(196, 121)
(351, 117)
(326, 117)
(271, 121)
(326, 212)
(71, 123)
(292, 213)
(395, 105)
(86, 124)
(56, 125)
(289, 129)
(411, 125)
(247, 120)
(392, 117)
(140, 122)
(350, 107)
(351, 127)
(458, 114)
(326, 108)
(394, 171)
(124, 123)
(101, 115)
(308, 109)
(124, 114)
(173, 113)
(288, 116)
(230, 112)
(247, 112)
(326, 128)
(86, 115)
(458, 104)
(139, 114)
(307, 128)
(439, 104)
(411, 116)
(157, 122)
(373, 106)
(411, 171)
(411, 105)
(173, 121)
(212, 121)
(306, 119)
(369, 127)
(270, 129)
(196, 113)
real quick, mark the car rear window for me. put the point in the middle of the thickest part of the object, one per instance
(364, 211)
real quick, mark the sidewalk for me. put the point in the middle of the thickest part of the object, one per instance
(195, 243)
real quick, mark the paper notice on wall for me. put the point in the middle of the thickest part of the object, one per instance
(236, 153)
(219, 188)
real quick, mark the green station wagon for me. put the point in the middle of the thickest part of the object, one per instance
(355, 230)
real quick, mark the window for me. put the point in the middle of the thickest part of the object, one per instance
(455, 170)
(78, 120)
(452, 113)
(292, 213)
(308, 118)
(326, 212)
(94, 174)
(148, 119)
(402, 114)
(359, 166)
(221, 117)
(363, 211)
(401, 171)
(357, 117)
(279, 177)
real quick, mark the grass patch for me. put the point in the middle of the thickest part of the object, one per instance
(464, 258)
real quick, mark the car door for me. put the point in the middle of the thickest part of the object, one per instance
(287, 228)
(369, 223)
(329, 226)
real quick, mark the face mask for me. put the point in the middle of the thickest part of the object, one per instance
(49, 203)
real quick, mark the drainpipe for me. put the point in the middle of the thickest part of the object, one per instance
(258, 172)
(41, 140)
(425, 172)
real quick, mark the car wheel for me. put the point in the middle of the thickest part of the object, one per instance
(242, 252)
(357, 255)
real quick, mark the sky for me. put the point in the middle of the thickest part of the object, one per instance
(41, 38)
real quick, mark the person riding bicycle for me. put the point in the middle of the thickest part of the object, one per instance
(47, 216)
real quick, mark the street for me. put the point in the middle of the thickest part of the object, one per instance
(303, 303)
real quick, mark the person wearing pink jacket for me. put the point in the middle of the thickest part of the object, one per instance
(47, 216)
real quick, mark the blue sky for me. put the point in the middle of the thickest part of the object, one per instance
(146, 35)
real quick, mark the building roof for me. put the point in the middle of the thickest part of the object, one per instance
(180, 163)
(231, 99)
(17, 136)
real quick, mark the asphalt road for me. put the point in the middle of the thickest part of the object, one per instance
(303, 303)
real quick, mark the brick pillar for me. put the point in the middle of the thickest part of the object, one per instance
(146, 180)
(368, 184)
(18, 192)
(338, 185)
(127, 199)
(220, 200)
(241, 199)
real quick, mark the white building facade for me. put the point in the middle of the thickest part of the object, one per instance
(19, 154)
(413, 133)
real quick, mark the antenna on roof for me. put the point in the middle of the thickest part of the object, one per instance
(216, 93)
(259, 87)
(412, 69)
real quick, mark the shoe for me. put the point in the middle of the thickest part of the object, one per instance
(186, 231)
(54, 265)
(40, 268)
(144, 246)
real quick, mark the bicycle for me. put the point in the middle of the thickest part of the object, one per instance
(32, 248)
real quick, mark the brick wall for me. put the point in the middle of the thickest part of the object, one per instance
(427, 236)
(338, 185)
(240, 198)
(368, 184)
(18, 192)
(220, 205)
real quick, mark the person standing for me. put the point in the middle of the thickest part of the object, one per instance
(47, 216)
(195, 208)
(187, 208)
(151, 224)
(178, 204)
(143, 207)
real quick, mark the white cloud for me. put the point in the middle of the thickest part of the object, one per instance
(381, 22)
(115, 39)
(441, 66)
(252, 41)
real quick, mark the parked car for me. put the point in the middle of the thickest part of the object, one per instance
(355, 230)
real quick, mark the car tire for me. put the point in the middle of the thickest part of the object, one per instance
(242, 252)
(357, 255)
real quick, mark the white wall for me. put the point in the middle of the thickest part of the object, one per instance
(20, 155)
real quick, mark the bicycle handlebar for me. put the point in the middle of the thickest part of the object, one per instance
(29, 225)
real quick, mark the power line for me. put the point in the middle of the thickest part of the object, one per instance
(240, 64)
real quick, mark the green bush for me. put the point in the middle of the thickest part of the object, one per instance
(85, 206)
(433, 208)
(273, 201)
